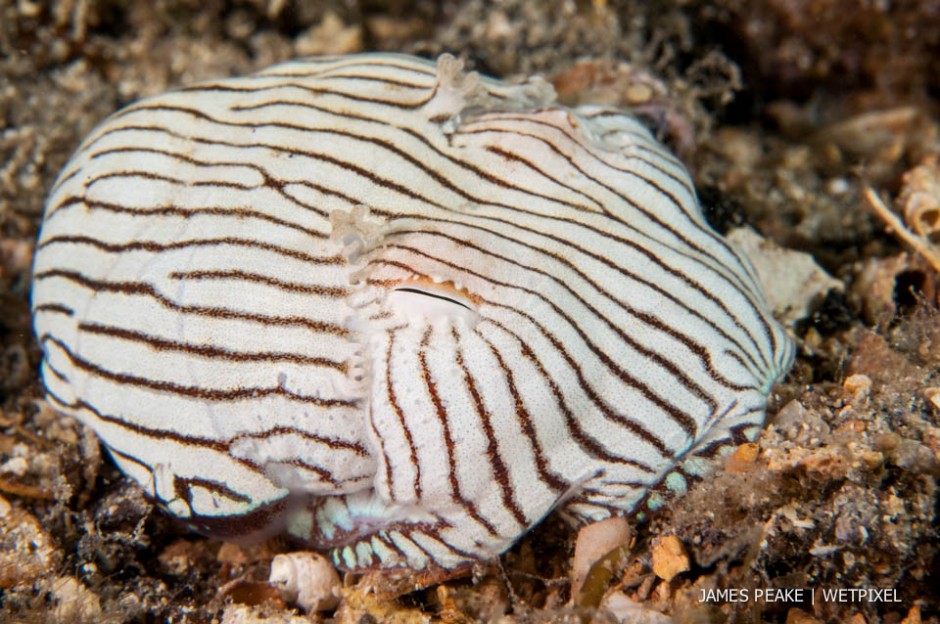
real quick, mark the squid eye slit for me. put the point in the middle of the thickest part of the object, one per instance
(433, 301)
(435, 296)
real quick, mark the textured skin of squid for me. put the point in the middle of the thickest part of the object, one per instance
(397, 310)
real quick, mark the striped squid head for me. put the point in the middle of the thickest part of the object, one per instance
(442, 394)
(398, 281)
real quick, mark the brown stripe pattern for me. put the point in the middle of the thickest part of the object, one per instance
(398, 310)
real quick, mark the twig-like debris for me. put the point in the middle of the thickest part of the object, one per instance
(23, 490)
(918, 243)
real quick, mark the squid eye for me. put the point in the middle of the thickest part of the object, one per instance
(435, 295)
(432, 301)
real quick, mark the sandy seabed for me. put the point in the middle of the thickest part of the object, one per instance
(784, 111)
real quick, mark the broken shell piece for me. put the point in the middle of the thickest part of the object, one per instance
(919, 243)
(306, 579)
(73, 602)
(595, 541)
(857, 383)
(920, 199)
(627, 610)
(878, 136)
(875, 286)
(933, 395)
(669, 558)
(743, 458)
(243, 591)
(792, 281)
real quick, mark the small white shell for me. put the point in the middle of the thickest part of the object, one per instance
(306, 579)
